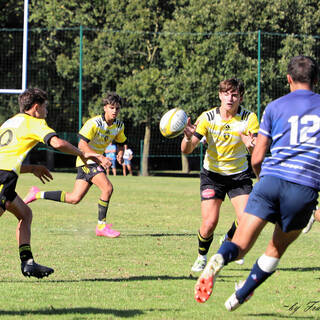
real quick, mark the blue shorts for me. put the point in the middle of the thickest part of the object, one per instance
(126, 161)
(113, 163)
(283, 202)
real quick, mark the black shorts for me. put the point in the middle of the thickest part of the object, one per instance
(8, 182)
(86, 173)
(216, 186)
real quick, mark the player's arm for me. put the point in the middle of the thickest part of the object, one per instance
(189, 141)
(259, 152)
(88, 153)
(120, 153)
(38, 170)
(249, 141)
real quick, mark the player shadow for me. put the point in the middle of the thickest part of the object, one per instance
(161, 235)
(82, 311)
(293, 269)
(225, 278)
(276, 316)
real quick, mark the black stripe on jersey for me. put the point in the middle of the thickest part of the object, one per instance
(48, 137)
(118, 123)
(245, 115)
(198, 135)
(99, 122)
(210, 115)
(83, 137)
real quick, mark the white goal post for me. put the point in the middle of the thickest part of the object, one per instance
(24, 53)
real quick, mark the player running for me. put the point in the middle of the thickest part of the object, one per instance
(287, 191)
(18, 135)
(230, 132)
(95, 135)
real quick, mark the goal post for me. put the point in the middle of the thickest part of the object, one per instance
(24, 54)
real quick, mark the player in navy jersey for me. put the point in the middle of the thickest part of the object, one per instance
(289, 182)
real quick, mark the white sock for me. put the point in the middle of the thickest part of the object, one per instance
(267, 263)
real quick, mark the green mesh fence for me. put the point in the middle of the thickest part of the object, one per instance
(77, 65)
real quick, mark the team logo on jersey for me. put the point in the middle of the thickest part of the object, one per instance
(6, 137)
(226, 134)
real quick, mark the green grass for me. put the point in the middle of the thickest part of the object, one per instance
(144, 274)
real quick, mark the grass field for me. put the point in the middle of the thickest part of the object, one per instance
(144, 274)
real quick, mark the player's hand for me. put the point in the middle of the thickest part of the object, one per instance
(190, 128)
(42, 173)
(120, 158)
(105, 162)
(248, 140)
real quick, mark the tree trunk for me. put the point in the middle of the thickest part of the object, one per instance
(146, 150)
(185, 163)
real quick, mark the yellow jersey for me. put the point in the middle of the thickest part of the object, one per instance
(18, 135)
(99, 135)
(226, 154)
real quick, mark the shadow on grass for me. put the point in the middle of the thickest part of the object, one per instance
(277, 316)
(222, 278)
(161, 235)
(82, 311)
(294, 269)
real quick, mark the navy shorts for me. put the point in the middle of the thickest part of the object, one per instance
(216, 186)
(283, 202)
(86, 173)
(8, 182)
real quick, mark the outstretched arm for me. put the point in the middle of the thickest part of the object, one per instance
(189, 141)
(249, 141)
(88, 153)
(38, 170)
(259, 153)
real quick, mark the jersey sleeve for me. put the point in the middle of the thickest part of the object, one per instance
(202, 126)
(42, 132)
(88, 131)
(120, 137)
(253, 124)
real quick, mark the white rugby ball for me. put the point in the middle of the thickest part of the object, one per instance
(173, 123)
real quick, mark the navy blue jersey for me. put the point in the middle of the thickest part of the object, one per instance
(293, 124)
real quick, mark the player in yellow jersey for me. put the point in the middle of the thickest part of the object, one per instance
(96, 134)
(230, 132)
(18, 135)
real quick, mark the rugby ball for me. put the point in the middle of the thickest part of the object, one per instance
(173, 123)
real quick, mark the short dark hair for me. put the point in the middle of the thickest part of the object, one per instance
(112, 98)
(233, 84)
(31, 96)
(303, 69)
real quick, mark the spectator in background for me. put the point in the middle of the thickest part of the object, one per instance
(111, 154)
(127, 157)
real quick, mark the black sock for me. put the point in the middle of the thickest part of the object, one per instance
(25, 252)
(59, 196)
(232, 230)
(102, 210)
(204, 244)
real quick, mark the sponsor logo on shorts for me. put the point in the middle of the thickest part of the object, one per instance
(207, 193)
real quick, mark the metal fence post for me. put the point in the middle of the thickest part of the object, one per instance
(259, 74)
(80, 78)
